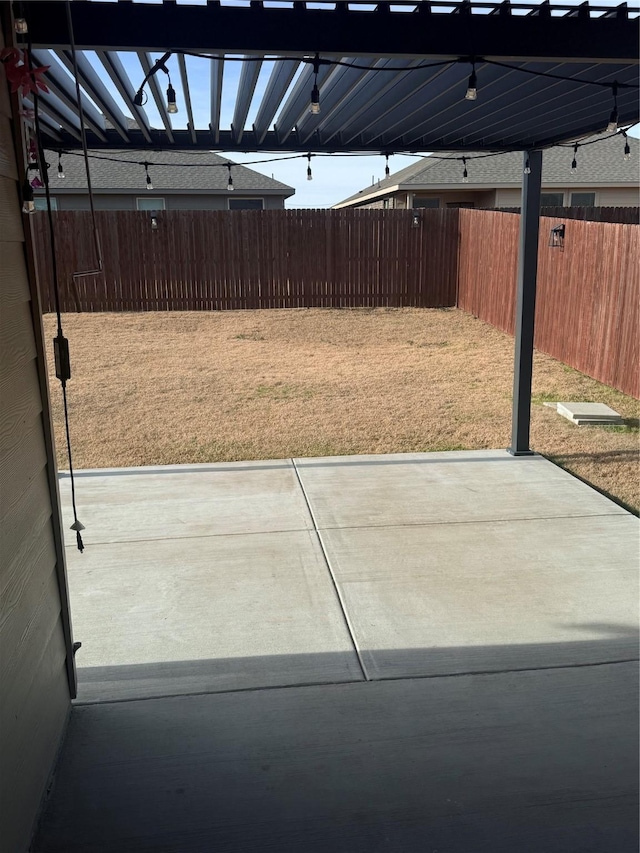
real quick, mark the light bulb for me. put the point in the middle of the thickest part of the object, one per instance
(627, 152)
(613, 121)
(574, 164)
(309, 175)
(472, 87)
(172, 107)
(149, 184)
(465, 177)
(527, 167)
(28, 204)
(61, 174)
(230, 187)
(314, 107)
(20, 26)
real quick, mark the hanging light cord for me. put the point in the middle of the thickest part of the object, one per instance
(61, 345)
(85, 152)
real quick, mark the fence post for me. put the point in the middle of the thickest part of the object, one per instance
(526, 303)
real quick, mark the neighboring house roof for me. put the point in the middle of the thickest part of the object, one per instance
(600, 164)
(197, 178)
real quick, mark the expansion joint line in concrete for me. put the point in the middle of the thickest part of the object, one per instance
(341, 601)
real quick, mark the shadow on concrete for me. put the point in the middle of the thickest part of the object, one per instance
(538, 761)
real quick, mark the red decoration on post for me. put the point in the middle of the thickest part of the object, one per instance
(22, 78)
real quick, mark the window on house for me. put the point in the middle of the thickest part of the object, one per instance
(150, 203)
(426, 202)
(41, 203)
(456, 205)
(551, 199)
(385, 204)
(246, 204)
(583, 199)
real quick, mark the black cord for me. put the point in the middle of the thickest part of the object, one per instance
(61, 340)
(71, 153)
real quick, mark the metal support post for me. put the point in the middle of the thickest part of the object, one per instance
(526, 303)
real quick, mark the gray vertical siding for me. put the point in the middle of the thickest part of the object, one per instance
(34, 631)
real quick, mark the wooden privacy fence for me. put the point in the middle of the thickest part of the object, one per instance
(588, 291)
(587, 308)
(252, 259)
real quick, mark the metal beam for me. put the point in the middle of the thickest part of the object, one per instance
(96, 89)
(318, 143)
(249, 73)
(63, 116)
(187, 96)
(342, 84)
(49, 125)
(283, 73)
(256, 29)
(63, 88)
(115, 69)
(217, 72)
(297, 104)
(526, 303)
(147, 62)
(409, 89)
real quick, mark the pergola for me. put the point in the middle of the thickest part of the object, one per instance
(390, 77)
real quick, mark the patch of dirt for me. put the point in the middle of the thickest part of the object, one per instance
(160, 388)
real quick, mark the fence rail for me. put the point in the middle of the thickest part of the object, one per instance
(588, 292)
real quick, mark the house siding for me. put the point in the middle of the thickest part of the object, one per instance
(35, 698)
(604, 196)
(173, 201)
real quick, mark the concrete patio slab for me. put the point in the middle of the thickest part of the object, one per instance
(425, 488)
(124, 504)
(478, 597)
(172, 616)
(526, 762)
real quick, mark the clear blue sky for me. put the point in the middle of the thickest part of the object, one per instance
(334, 178)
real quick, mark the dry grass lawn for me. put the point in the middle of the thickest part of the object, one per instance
(163, 388)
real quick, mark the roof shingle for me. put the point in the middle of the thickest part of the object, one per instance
(129, 177)
(600, 163)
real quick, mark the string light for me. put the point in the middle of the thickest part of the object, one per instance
(28, 204)
(309, 175)
(574, 162)
(465, 174)
(61, 174)
(386, 168)
(149, 184)
(69, 152)
(20, 26)
(527, 167)
(613, 118)
(627, 150)
(172, 107)
(472, 86)
(230, 187)
(314, 106)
